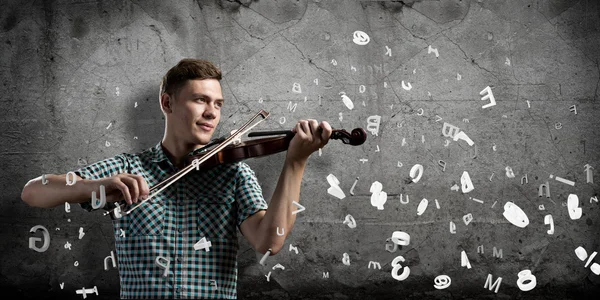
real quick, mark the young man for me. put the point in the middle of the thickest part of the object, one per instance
(155, 243)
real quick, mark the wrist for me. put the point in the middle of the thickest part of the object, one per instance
(85, 190)
(296, 163)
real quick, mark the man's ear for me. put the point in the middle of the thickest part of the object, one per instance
(166, 102)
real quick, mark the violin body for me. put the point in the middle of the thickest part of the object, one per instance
(243, 150)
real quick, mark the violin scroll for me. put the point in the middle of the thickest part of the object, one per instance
(357, 137)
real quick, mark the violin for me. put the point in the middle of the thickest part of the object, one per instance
(226, 152)
(267, 146)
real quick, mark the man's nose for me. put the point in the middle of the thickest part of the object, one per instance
(210, 112)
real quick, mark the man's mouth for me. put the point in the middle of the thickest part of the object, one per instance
(205, 126)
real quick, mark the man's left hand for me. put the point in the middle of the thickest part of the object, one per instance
(310, 137)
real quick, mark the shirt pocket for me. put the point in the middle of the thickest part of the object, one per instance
(216, 215)
(147, 220)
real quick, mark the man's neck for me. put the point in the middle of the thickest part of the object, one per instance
(176, 153)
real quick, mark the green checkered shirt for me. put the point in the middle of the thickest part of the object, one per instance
(201, 204)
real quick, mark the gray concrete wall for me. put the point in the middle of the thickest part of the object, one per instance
(73, 71)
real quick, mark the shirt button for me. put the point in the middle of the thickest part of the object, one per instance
(180, 230)
(177, 290)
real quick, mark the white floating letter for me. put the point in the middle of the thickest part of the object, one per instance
(515, 215)
(396, 266)
(416, 172)
(33, 240)
(465, 183)
(163, 265)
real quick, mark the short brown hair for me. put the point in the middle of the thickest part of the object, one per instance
(186, 69)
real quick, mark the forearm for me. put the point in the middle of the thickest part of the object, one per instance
(55, 192)
(278, 218)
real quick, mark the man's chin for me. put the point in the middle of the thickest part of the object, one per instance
(203, 139)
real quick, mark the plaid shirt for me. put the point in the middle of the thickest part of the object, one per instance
(201, 204)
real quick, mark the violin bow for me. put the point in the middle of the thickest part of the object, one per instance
(197, 162)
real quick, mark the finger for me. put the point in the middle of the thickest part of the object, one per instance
(124, 190)
(326, 133)
(314, 127)
(137, 187)
(306, 128)
(300, 131)
(144, 189)
(300, 125)
(132, 183)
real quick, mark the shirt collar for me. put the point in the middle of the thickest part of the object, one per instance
(158, 153)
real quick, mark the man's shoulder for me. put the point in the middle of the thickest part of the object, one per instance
(144, 154)
(240, 167)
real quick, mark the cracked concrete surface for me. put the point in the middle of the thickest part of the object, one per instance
(72, 69)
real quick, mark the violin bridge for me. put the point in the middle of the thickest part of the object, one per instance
(237, 140)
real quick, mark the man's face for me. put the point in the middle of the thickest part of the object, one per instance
(196, 111)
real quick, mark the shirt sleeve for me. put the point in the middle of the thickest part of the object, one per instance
(105, 168)
(248, 193)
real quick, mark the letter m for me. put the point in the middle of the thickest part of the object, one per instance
(488, 283)
(375, 264)
(291, 107)
(497, 253)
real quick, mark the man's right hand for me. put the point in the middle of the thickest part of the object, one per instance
(123, 186)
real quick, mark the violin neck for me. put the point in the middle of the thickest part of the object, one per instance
(280, 132)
